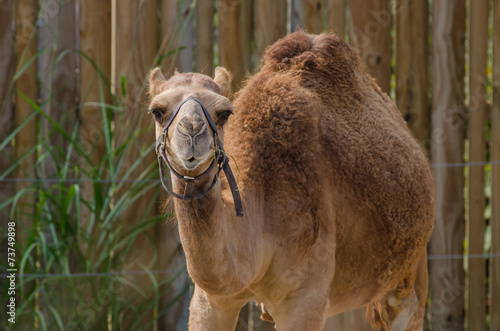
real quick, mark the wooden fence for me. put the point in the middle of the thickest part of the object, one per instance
(444, 77)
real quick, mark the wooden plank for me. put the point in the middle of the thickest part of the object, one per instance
(270, 24)
(447, 275)
(135, 42)
(336, 16)
(477, 153)
(169, 23)
(235, 22)
(95, 43)
(412, 65)
(169, 247)
(186, 55)
(177, 36)
(370, 35)
(7, 65)
(58, 97)
(495, 175)
(335, 323)
(7, 189)
(58, 77)
(356, 320)
(27, 85)
(205, 37)
(307, 14)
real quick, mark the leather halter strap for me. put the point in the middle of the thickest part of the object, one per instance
(220, 158)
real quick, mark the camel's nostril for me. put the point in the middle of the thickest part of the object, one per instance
(191, 128)
(191, 159)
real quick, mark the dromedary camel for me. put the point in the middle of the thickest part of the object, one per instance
(337, 196)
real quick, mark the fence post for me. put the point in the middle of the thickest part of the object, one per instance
(235, 22)
(26, 140)
(412, 65)
(176, 35)
(307, 14)
(447, 139)
(58, 96)
(58, 78)
(186, 55)
(270, 24)
(336, 17)
(477, 153)
(134, 45)
(95, 44)
(7, 64)
(205, 37)
(370, 35)
(495, 175)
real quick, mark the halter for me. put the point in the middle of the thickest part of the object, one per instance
(220, 159)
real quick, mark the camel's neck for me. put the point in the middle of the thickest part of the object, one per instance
(209, 235)
(216, 242)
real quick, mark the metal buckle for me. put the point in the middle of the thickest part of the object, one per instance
(163, 138)
(189, 178)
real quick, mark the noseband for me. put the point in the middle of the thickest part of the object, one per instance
(220, 159)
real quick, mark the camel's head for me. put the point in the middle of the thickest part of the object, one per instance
(189, 142)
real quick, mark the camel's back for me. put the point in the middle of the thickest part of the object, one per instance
(314, 114)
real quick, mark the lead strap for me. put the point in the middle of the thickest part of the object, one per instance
(234, 187)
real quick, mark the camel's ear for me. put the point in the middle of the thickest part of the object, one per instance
(223, 78)
(156, 80)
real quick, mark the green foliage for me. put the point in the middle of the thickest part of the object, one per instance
(71, 259)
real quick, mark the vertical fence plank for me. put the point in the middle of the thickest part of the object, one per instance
(6, 126)
(477, 153)
(412, 65)
(95, 41)
(58, 95)
(177, 297)
(447, 275)
(58, 78)
(356, 320)
(177, 35)
(95, 44)
(186, 54)
(168, 35)
(495, 175)
(205, 37)
(334, 323)
(308, 15)
(235, 23)
(336, 16)
(370, 35)
(135, 41)
(270, 24)
(27, 85)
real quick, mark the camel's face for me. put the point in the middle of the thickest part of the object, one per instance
(190, 141)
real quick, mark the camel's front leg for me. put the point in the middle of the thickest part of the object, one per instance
(302, 312)
(210, 314)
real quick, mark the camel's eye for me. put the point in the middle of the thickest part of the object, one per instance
(222, 116)
(157, 113)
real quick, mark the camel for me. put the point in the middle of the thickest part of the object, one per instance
(337, 196)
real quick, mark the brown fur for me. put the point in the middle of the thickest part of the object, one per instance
(337, 195)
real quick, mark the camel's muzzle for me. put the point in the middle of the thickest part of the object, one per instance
(220, 158)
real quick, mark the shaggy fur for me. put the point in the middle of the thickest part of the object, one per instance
(338, 196)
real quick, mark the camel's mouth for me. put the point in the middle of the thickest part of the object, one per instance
(192, 163)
